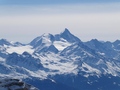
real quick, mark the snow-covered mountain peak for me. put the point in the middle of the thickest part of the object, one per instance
(117, 41)
(46, 39)
(94, 40)
(68, 36)
(47, 35)
(66, 31)
(4, 42)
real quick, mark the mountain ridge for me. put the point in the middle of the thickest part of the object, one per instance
(53, 57)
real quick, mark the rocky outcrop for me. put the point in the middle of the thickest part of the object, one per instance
(15, 84)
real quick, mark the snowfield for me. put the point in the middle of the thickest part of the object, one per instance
(20, 49)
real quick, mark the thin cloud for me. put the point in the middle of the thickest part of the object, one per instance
(86, 21)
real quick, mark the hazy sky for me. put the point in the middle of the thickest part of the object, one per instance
(23, 20)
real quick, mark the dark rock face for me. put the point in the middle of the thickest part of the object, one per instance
(15, 84)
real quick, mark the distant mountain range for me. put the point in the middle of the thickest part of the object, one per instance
(62, 61)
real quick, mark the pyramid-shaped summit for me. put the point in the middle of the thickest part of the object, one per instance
(66, 31)
(69, 37)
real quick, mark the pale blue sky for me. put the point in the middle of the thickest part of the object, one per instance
(23, 20)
